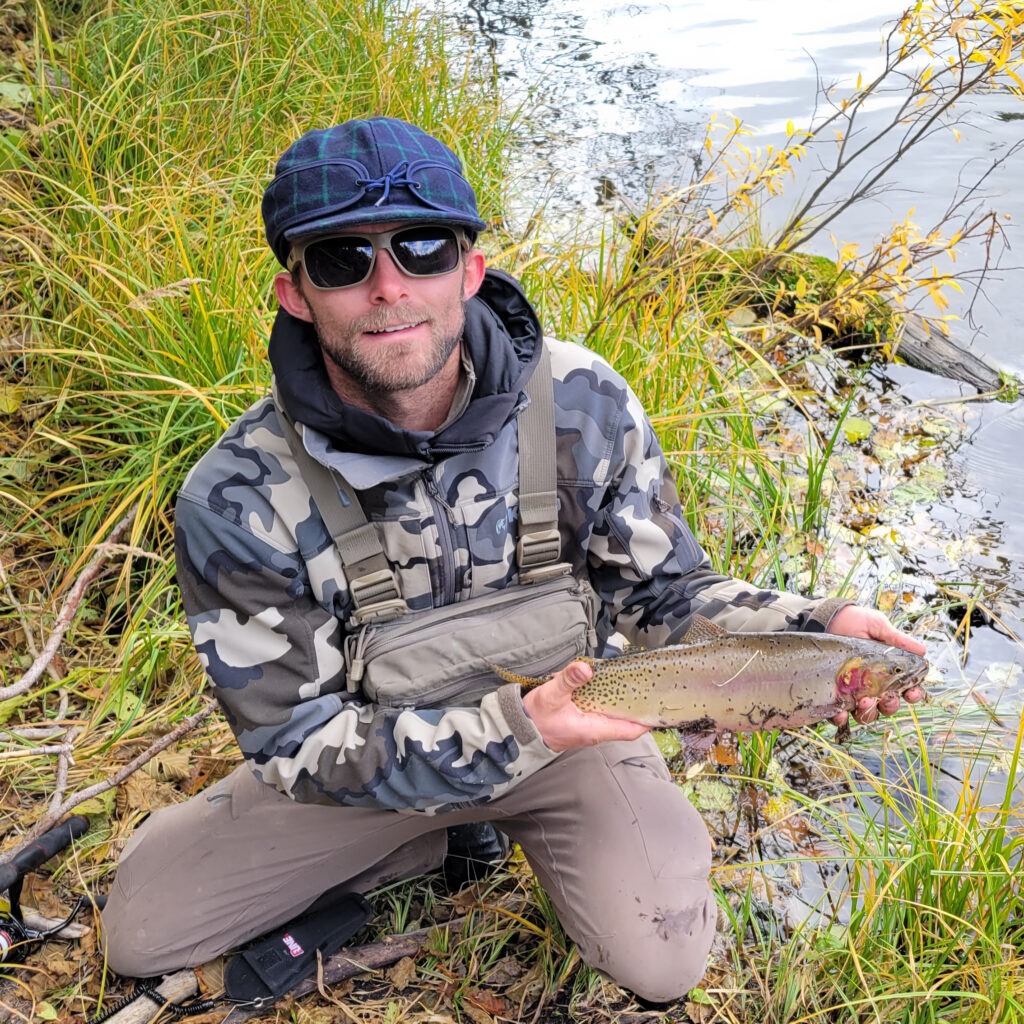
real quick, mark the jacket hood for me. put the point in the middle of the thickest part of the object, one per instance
(503, 337)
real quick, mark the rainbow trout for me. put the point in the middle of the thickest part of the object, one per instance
(742, 682)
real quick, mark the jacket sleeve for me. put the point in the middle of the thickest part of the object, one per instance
(648, 568)
(273, 656)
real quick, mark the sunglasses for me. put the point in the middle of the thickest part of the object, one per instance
(341, 261)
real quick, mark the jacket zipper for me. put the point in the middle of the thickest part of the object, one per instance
(445, 523)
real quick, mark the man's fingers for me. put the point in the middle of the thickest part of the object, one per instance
(888, 704)
(866, 711)
(576, 673)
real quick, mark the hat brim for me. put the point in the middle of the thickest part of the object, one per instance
(368, 216)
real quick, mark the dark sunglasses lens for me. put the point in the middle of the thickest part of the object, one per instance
(338, 262)
(425, 252)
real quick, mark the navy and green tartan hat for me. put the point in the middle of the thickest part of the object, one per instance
(368, 171)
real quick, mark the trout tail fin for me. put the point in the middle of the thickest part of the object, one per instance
(527, 682)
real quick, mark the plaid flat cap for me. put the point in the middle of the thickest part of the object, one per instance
(364, 171)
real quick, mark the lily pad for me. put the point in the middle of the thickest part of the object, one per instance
(856, 429)
(668, 742)
(710, 795)
(913, 493)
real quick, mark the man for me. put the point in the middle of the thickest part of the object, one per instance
(404, 365)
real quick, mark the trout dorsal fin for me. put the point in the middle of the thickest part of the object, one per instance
(702, 630)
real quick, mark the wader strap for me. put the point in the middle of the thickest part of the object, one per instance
(372, 583)
(539, 547)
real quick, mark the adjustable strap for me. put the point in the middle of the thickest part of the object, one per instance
(371, 581)
(539, 547)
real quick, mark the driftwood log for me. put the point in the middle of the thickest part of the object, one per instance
(946, 355)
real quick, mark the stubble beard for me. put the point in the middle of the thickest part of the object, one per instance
(390, 367)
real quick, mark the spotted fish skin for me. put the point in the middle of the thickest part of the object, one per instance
(743, 682)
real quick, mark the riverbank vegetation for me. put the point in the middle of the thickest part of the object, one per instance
(135, 141)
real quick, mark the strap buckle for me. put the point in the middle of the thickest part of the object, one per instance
(377, 597)
(537, 554)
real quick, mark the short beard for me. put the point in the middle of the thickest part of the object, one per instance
(380, 371)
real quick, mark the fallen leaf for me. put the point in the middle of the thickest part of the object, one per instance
(11, 397)
(207, 770)
(504, 972)
(488, 1001)
(171, 765)
(402, 973)
(475, 1013)
(721, 754)
(136, 793)
(856, 429)
(668, 742)
(528, 988)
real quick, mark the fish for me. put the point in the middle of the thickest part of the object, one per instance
(717, 681)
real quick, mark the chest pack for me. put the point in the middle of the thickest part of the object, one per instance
(441, 657)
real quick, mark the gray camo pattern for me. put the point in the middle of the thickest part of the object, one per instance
(266, 597)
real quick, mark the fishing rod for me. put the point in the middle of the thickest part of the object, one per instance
(16, 937)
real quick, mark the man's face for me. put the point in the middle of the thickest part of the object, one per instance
(391, 332)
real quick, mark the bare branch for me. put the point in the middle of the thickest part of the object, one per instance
(70, 609)
(54, 815)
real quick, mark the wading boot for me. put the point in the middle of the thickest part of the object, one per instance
(474, 851)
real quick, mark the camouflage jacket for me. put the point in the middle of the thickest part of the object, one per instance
(266, 597)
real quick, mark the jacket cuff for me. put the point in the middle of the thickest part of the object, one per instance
(824, 611)
(510, 701)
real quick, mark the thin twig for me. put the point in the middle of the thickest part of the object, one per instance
(54, 815)
(64, 762)
(58, 748)
(70, 609)
(30, 640)
(37, 732)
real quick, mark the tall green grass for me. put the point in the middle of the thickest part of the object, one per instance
(924, 922)
(138, 272)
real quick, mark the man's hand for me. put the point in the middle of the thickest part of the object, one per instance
(562, 724)
(873, 625)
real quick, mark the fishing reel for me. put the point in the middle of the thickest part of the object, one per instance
(16, 938)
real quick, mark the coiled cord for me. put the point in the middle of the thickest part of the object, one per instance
(149, 992)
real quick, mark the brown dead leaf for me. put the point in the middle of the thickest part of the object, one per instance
(38, 893)
(205, 771)
(466, 899)
(136, 793)
(54, 971)
(170, 766)
(486, 1000)
(475, 1014)
(313, 1015)
(211, 975)
(402, 973)
(699, 1013)
(528, 988)
(723, 755)
(504, 972)
(141, 792)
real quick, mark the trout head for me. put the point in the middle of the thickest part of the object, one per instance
(893, 671)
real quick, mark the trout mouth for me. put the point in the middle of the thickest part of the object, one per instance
(861, 677)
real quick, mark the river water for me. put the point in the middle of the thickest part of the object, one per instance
(623, 92)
